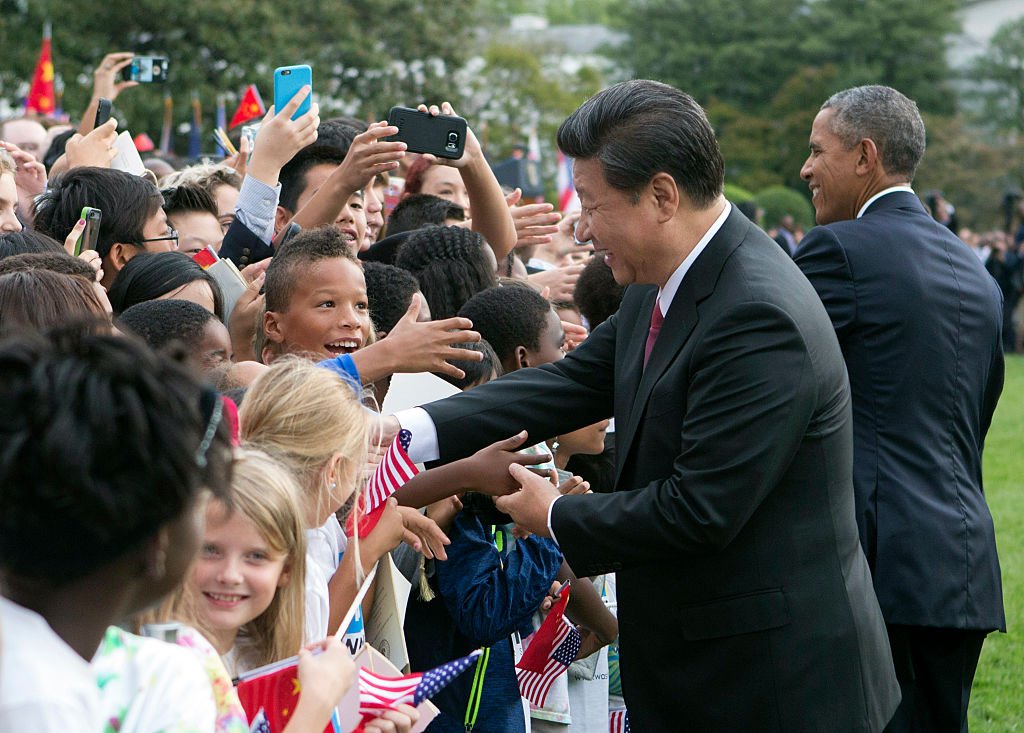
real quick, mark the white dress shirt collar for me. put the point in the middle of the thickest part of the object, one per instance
(880, 194)
(668, 293)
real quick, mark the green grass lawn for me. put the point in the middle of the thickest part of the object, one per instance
(997, 704)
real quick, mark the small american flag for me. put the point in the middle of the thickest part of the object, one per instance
(260, 724)
(378, 694)
(552, 650)
(618, 721)
(394, 470)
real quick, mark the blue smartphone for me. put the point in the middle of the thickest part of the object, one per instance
(288, 80)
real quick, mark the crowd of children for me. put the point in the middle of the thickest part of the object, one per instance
(182, 466)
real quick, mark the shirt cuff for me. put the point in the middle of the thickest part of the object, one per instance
(551, 530)
(257, 207)
(424, 445)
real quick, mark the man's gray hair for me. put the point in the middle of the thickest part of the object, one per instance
(885, 116)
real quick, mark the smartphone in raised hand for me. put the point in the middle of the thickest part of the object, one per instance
(440, 135)
(93, 218)
(146, 69)
(288, 80)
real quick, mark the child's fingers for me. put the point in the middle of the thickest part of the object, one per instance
(513, 442)
(530, 460)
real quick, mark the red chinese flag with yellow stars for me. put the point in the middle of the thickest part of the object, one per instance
(41, 98)
(274, 694)
(249, 108)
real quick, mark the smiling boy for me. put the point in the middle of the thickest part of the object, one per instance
(317, 307)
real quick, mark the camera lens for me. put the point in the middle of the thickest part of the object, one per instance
(453, 137)
(286, 72)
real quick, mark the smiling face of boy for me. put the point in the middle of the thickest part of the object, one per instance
(328, 313)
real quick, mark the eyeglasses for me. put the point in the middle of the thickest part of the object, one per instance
(172, 236)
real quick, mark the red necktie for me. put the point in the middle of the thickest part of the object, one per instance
(652, 333)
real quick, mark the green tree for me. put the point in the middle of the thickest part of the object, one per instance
(900, 44)
(511, 92)
(736, 51)
(742, 52)
(1000, 71)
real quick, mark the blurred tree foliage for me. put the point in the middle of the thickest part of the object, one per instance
(366, 56)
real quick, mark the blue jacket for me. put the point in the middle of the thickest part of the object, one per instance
(483, 595)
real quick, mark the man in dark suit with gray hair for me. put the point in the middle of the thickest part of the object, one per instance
(918, 319)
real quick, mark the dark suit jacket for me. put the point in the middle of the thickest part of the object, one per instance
(243, 247)
(918, 319)
(745, 602)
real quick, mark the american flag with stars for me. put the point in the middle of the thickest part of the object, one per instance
(618, 721)
(394, 470)
(378, 694)
(552, 650)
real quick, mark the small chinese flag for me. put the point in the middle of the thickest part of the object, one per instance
(41, 98)
(249, 108)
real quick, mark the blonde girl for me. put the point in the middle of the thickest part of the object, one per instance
(310, 419)
(247, 586)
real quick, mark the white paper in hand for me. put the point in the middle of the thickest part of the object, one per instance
(127, 157)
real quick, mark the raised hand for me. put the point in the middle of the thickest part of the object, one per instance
(96, 148)
(561, 282)
(280, 138)
(412, 346)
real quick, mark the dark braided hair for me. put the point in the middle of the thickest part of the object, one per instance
(451, 265)
(101, 444)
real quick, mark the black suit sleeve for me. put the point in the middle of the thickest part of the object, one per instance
(243, 247)
(750, 397)
(546, 401)
(823, 261)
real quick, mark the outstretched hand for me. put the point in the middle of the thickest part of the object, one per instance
(369, 155)
(428, 346)
(487, 470)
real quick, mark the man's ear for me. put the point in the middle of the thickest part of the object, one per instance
(664, 192)
(522, 357)
(281, 218)
(272, 327)
(867, 158)
(120, 254)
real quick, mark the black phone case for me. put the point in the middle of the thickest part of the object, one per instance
(424, 133)
(103, 109)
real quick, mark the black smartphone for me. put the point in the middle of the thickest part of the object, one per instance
(146, 69)
(93, 219)
(102, 112)
(443, 135)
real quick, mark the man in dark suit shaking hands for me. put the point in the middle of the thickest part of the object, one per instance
(918, 319)
(745, 601)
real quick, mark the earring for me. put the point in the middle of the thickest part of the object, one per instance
(333, 486)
